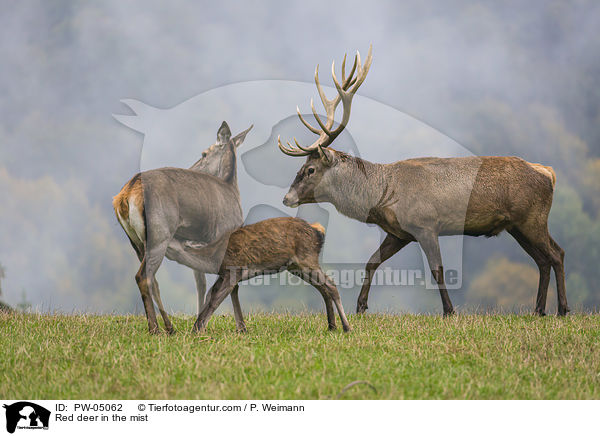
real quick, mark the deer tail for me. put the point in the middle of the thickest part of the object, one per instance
(545, 170)
(320, 233)
(121, 206)
(553, 175)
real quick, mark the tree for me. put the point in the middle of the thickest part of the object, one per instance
(25, 304)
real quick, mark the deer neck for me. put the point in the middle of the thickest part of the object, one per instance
(354, 186)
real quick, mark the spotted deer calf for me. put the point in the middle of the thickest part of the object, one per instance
(269, 247)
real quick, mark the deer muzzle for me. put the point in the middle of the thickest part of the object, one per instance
(291, 199)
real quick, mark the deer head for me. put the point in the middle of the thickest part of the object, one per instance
(219, 159)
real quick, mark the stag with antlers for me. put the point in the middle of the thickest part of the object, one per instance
(422, 199)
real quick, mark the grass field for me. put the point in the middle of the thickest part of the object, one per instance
(294, 357)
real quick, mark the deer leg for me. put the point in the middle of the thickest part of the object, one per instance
(542, 260)
(200, 279)
(430, 245)
(542, 293)
(141, 280)
(329, 291)
(390, 246)
(558, 263)
(328, 307)
(240, 325)
(143, 283)
(333, 291)
(156, 294)
(219, 291)
(309, 275)
(145, 278)
(139, 250)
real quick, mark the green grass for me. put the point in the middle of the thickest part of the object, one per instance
(294, 357)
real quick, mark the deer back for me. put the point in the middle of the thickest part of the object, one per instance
(273, 244)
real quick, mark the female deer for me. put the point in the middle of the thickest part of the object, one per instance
(162, 209)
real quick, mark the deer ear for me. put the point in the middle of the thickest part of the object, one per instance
(326, 156)
(239, 138)
(224, 134)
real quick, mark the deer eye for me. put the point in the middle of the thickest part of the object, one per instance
(203, 154)
(310, 171)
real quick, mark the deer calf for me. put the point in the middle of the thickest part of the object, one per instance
(269, 247)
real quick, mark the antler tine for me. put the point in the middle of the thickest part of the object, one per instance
(346, 96)
(307, 150)
(326, 102)
(363, 70)
(346, 104)
(346, 82)
(346, 91)
(308, 126)
(289, 151)
(330, 105)
(325, 129)
(335, 80)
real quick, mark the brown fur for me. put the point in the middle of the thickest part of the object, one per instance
(546, 170)
(268, 247)
(273, 244)
(423, 198)
(318, 227)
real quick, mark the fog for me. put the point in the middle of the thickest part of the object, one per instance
(448, 79)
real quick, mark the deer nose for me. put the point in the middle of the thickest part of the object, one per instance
(290, 199)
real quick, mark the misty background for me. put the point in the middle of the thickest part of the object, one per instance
(489, 78)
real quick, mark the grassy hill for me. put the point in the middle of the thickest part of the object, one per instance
(287, 356)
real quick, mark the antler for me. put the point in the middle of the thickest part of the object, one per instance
(345, 91)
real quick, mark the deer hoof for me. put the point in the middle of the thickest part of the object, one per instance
(361, 308)
(199, 330)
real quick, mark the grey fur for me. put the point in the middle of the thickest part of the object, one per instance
(421, 199)
(182, 205)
